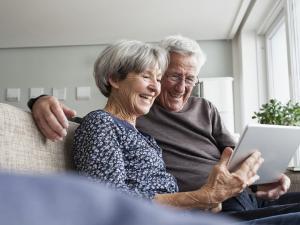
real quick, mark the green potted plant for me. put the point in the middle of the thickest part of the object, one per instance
(275, 112)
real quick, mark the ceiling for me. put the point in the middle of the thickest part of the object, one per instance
(85, 22)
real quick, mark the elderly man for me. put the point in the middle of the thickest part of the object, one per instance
(190, 132)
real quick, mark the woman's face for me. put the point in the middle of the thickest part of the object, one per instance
(137, 92)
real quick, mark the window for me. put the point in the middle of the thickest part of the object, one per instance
(266, 55)
(282, 41)
(277, 62)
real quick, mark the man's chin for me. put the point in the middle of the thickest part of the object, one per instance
(172, 104)
(174, 107)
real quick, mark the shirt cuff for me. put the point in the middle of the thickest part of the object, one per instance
(31, 101)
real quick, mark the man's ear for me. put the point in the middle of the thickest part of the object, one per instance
(113, 82)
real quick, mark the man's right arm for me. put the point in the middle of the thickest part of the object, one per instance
(51, 117)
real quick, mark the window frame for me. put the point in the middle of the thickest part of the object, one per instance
(285, 13)
(293, 48)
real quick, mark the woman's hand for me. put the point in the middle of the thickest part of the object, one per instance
(222, 184)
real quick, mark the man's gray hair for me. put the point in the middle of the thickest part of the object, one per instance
(185, 46)
(123, 57)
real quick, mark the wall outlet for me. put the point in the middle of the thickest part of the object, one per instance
(35, 92)
(59, 93)
(83, 93)
(13, 94)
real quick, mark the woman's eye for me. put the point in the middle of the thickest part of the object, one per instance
(158, 80)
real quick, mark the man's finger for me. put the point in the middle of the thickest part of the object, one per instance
(47, 131)
(261, 194)
(252, 162)
(69, 113)
(252, 180)
(53, 124)
(254, 168)
(59, 115)
(285, 182)
(226, 156)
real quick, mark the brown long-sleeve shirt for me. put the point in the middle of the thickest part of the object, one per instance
(192, 139)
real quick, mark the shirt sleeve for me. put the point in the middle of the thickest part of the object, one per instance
(31, 101)
(221, 134)
(97, 152)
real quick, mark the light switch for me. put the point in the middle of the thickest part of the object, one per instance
(35, 92)
(13, 94)
(59, 93)
(83, 93)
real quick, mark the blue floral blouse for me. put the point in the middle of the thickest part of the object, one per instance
(113, 151)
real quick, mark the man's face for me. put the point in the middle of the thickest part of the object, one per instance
(178, 82)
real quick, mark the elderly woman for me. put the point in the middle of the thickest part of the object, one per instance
(108, 147)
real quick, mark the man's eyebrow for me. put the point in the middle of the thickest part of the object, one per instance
(181, 74)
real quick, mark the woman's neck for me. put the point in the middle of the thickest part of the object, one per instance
(114, 107)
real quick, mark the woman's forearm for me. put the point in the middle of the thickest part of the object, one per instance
(200, 199)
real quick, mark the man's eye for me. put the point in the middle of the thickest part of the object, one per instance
(191, 79)
(175, 77)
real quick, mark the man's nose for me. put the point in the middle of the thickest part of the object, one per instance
(180, 86)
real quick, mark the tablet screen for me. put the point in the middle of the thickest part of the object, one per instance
(276, 143)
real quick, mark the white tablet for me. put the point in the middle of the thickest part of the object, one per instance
(277, 145)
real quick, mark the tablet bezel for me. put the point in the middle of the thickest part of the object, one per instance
(276, 143)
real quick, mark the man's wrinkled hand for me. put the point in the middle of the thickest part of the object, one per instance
(274, 190)
(223, 184)
(51, 117)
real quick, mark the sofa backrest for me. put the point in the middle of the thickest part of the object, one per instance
(24, 149)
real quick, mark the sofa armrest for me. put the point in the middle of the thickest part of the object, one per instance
(295, 180)
(24, 149)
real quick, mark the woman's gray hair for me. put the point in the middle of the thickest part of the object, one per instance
(123, 57)
(185, 46)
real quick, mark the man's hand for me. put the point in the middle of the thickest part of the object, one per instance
(222, 184)
(51, 117)
(274, 190)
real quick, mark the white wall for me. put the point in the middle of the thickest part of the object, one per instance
(73, 66)
(219, 58)
(50, 67)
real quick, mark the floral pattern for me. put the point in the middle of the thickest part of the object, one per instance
(111, 150)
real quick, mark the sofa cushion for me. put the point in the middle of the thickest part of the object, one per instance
(24, 149)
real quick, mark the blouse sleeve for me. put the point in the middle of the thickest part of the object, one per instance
(97, 152)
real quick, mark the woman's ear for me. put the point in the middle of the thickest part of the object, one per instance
(113, 82)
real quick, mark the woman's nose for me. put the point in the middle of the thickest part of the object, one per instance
(155, 86)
